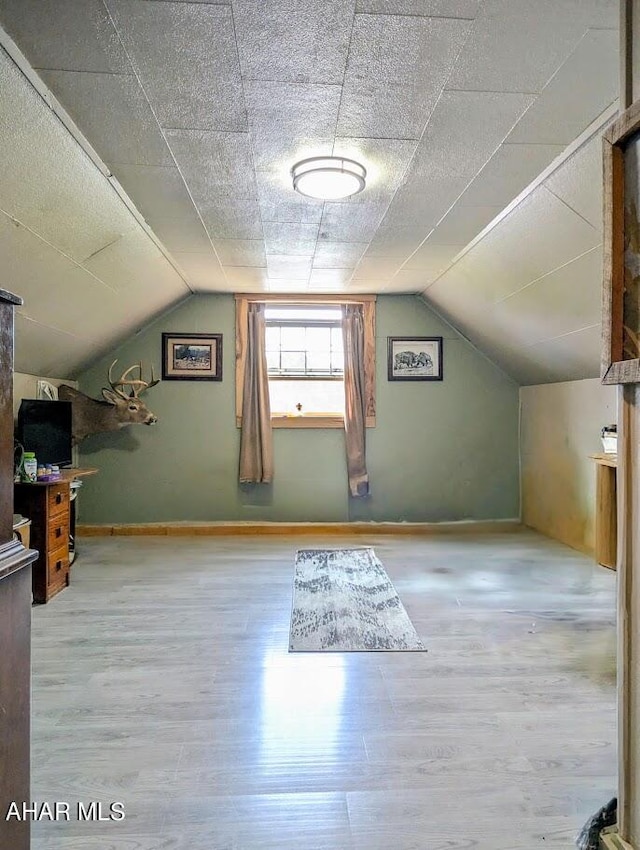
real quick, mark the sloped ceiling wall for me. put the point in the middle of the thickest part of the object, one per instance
(88, 271)
(527, 291)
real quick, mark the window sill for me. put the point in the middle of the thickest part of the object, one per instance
(310, 422)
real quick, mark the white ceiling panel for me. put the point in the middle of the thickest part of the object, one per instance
(214, 164)
(376, 268)
(112, 109)
(387, 161)
(432, 258)
(294, 239)
(396, 70)
(396, 242)
(286, 119)
(585, 85)
(157, 190)
(241, 252)
(187, 60)
(133, 266)
(527, 43)
(315, 32)
(283, 285)
(576, 303)
(292, 267)
(203, 271)
(185, 234)
(52, 186)
(578, 182)
(329, 280)
(571, 357)
(247, 279)
(507, 173)
(279, 203)
(423, 208)
(338, 255)
(39, 348)
(539, 236)
(462, 224)
(70, 35)
(428, 8)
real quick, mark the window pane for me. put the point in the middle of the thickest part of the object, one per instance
(293, 360)
(272, 338)
(314, 396)
(304, 313)
(337, 361)
(273, 359)
(319, 361)
(336, 338)
(293, 339)
(318, 339)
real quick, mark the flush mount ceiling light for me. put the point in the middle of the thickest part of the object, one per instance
(328, 178)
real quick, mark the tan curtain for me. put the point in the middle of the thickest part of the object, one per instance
(256, 439)
(354, 392)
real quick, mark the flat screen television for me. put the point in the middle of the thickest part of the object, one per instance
(44, 427)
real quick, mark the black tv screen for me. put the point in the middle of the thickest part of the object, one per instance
(44, 427)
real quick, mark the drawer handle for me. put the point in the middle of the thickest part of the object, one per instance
(58, 532)
(59, 498)
(58, 565)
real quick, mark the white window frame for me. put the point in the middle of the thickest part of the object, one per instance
(306, 421)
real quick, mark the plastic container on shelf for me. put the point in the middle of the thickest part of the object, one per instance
(29, 467)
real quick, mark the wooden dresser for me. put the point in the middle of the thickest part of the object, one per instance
(47, 506)
(15, 614)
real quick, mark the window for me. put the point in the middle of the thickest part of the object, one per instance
(305, 359)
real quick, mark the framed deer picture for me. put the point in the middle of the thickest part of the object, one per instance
(621, 272)
(191, 357)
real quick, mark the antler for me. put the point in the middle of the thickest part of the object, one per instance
(138, 385)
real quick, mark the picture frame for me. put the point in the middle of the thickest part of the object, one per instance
(620, 359)
(414, 358)
(191, 357)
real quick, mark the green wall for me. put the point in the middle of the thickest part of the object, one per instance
(440, 451)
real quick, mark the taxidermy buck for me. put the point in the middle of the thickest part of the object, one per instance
(119, 408)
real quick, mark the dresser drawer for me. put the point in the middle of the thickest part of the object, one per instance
(58, 567)
(58, 531)
(58, 498)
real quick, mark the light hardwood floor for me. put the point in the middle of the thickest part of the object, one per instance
(162, 680)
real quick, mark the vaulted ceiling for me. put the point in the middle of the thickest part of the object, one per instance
(146, 150)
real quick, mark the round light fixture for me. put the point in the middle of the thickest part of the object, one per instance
(328, 178)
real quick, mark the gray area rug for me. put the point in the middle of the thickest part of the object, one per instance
(343, 601)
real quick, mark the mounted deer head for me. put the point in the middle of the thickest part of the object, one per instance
(119, 408)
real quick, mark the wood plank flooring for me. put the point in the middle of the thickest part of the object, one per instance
(162, 680)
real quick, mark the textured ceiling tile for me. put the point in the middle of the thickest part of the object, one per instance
(396, 241)
(187, 60)
(423, 205)
(396, 70)
(51, 185)
(297, 41)
(214, 164)
(462, 224)
(114, 115)
(428, 8)
(329, 279)
(338, 255)
(298, 239)
(526, 43)
(292, 267)
(241, 252)
(71, 35)
(351, 222)
(287, 285)
(409, 280)
(386, 162)
(203, 271)
(464, 131)
(558, 303)
(290, 121)
(578, 182)
(584, 87)
(279, 201)
(510, 170)
(228, 218)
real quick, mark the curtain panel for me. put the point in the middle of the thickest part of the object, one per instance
(256, 438)
(355, 399)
